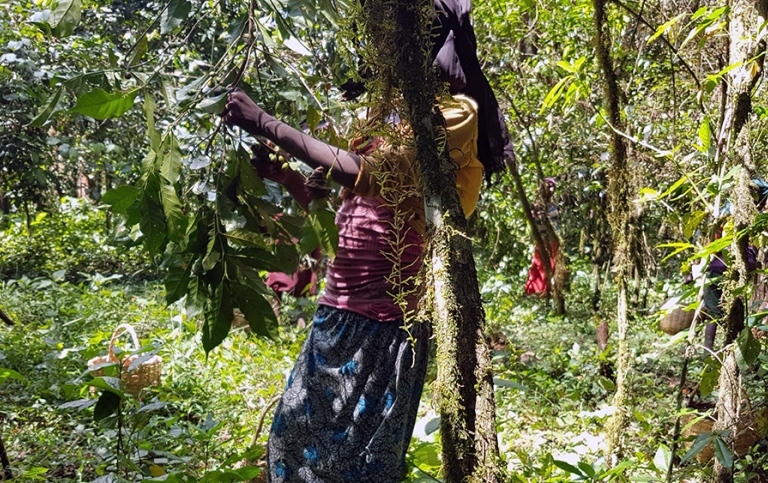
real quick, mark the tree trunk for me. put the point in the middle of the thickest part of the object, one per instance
(618, 217)
(465, 382)
(744, 23)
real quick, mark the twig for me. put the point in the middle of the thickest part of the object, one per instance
(6, 319)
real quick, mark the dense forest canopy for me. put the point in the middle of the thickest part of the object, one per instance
(122, 188)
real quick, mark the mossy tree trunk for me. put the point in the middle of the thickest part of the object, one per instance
(745, 21)
(618, 217)
(464, 380)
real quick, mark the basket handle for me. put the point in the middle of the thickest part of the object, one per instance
(118, 331)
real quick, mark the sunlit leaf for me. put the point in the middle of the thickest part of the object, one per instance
(65, 16)
(100, 104)
(175, 13)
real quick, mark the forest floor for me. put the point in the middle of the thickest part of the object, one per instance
(554, 388)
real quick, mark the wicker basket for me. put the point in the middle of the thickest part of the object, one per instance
(146, 374)
(752, 427)
(677, 320)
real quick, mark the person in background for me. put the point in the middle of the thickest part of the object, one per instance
(544, 209)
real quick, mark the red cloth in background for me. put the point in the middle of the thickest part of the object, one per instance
(537, 276)
(295, 284)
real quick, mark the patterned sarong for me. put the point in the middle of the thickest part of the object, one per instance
(350, 404)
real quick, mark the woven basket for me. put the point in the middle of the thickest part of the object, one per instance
(146, 374)
(752, 427)
(676, 320)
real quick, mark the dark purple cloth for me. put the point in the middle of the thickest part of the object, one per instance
(717, 265)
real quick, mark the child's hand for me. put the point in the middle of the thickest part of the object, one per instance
(243, 112)
(266, 167)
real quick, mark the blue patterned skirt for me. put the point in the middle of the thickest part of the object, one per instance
(350, 404)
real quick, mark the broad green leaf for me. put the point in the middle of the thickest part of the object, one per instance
(749, 348)
(702, 441)
(286, 260)
(6, 374)
(664, 27)
(663, 458)
(674, 186)
(214, 104)
(257, 310)
(149, 110)
(499, 382)
(569, 468)
(45, 114)
(554, 94)
(587, 469)
(175, 219)
(691, 222)
(566, 66)
(323, 222)
(212, 251)
(196, 297)
(139, 50)
(218, 317)
(122, 197)
(245, 238)
(723, 452)
(152, 225)
(175, 13)
(249, 179)
(709, 377)
(65, 15)
(177, 282)
(313, 118)
(705, 134)
(170, 164)
(717, 246)
(106, 406)
(678, 247)
(100, 104)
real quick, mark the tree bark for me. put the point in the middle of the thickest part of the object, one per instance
(744, 23)
(464, 381)
(618, 217)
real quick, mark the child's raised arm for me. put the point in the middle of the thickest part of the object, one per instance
(242, 111)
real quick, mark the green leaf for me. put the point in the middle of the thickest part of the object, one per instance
(196, 297)
(177, 282)
(569, 468)
(149, 110)
(323, 223)
(723, 452)
(122, 197)
(139, 50)
(702, 441)
(218, 317)
(99, 104)
(152, 226)
(257, 310)
(45, 114)
(65, 15)
(709, 377)
(705, 134)
(554, 94)
(106, 406)
(691, 222)
(170, 164)
(662, 458)
(664, 27)
(285, 260)
(748, 348)
(176, 12)
(176, 221)
(6, 374)
(214, 104)
(249, 179)
(245, 238)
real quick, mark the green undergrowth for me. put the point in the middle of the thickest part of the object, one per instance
(553, 389)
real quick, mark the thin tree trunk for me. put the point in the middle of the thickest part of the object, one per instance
(464, 381)
(744, 22)
(619, 215)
